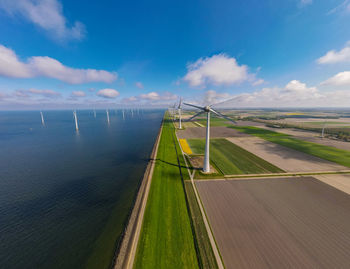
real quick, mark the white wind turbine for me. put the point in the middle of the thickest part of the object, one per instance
(107, 112)
(42, 118)
(207, 109)
(179, 111)
(95, 113)
(324, 126)
(76, 120)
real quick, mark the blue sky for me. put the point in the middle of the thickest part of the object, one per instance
(66, 54)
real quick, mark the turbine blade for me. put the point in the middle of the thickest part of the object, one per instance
(199, 107)
(222, 115)
(180, 103)
(195, 116)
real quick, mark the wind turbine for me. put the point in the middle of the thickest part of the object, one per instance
(95, 113)
(324, 126)
(107, 112)
(207, 109)
(76, 120)
(174, 109)
(42, 118)
(179, 111)
(123, 115)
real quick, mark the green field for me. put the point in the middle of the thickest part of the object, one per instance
(332, 154)
(166, 239)
(232, 159)
(214, 121)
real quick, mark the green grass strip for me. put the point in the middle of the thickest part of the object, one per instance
(332, 154)
(166, 239)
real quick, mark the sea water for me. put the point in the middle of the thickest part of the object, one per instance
(65, 195)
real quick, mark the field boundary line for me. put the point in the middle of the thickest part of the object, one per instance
(204, 216)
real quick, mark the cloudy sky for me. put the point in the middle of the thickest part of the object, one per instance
(271, 53)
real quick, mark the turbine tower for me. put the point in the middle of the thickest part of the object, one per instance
(107, 112)
(324, 126)
(95, 113)
(42, 118)
(179, 111)
(76, 120)
(207, 109)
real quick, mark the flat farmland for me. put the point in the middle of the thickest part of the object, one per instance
(232, 159)
(339, 181)
(332, 154)
(288, 159)
(215, 132)
(278, 222)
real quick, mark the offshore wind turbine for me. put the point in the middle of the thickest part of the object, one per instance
(207, 109)
(95, 113)
(76, 120)
(42, 118)
(107, 112)
(123, 115)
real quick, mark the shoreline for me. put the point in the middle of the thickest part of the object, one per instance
(125, 253)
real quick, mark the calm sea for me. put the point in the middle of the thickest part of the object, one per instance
(65, 196)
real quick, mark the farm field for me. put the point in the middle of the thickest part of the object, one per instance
(332, 154)
(166, 239)
(309, 136)
(339, 181)
(278, 222)
(232, 159)
(215, 132)
(214, 121)
(288, 159)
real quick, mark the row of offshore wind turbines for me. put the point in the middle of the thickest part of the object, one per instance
(202, 110)
(75, 116)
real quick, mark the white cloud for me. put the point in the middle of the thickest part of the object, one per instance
(219, 69)
(303, 3)
(212, 97)
(343, 8)
(46, 14)
(36, 92)
(294, 94)
(139, 85)
(78, 94)
(340, 79)
(258, 82)
(108, 93)
(336, 56)
(152, 98)
(43, 66)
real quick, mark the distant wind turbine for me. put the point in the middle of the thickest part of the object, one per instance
(95, 113)
(207, 109)
(123, 115)
(42, 118)
(76, 120)
(107, 112)
(324, 126)
(179, 110)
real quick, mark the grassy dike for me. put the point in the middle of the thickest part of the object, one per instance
(332, 154)
(166, 239)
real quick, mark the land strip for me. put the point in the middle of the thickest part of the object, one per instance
(166, 239)
(127, 250)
